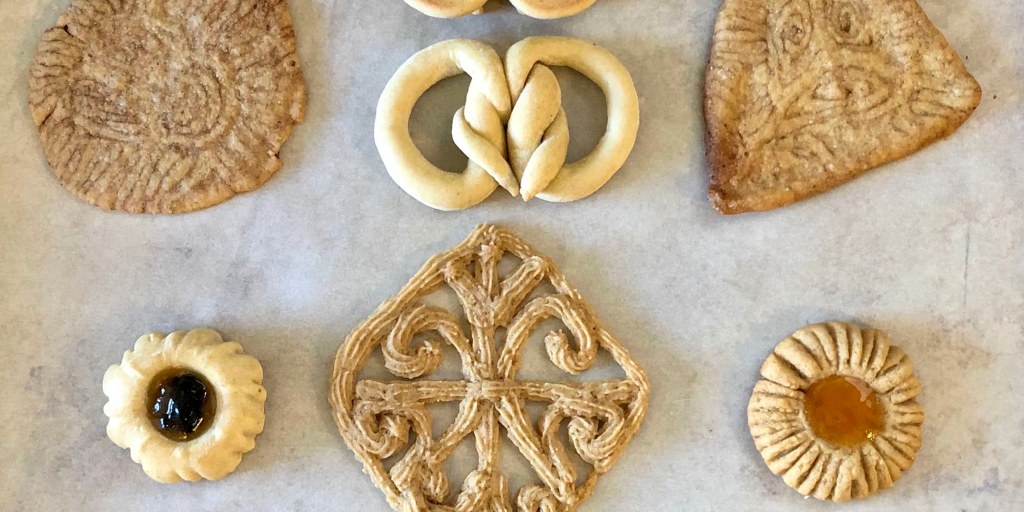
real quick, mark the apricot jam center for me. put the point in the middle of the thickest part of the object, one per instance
(843, 410)
(181, 404)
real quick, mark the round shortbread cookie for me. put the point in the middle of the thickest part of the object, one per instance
(166, 107)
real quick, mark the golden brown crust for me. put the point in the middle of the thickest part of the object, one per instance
(816, 467)
(381, 419)
(804, 95)
(166, 107)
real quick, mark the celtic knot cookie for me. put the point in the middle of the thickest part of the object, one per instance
(836, 412)
(166, 107)
(541, 9)
(499, 311)
(804, 95)
(188, 405)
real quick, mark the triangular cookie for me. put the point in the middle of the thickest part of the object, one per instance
(803, 95)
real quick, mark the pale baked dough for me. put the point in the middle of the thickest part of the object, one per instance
(541, 9)
(545, 174)
(779, 426)
(237, 381)
(522, 94)
(499, 312)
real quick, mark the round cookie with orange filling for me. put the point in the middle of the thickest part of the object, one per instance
(836, 413)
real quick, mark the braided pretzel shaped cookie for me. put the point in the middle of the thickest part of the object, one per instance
(540, 9)
(541, 169)
(529, 104)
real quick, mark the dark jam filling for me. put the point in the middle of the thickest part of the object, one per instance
(181, 404)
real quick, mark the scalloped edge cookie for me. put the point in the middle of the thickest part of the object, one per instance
(778, 422)
(237, 381)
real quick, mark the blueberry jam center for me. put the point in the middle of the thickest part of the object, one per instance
(181, 404)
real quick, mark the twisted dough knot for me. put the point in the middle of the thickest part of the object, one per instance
(538, 132)
(522, 95)
(479, 132)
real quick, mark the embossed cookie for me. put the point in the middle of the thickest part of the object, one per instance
(803, 95)
(506, 294)
(166, 107)
(836, 413)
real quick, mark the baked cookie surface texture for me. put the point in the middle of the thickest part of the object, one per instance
(388, 424)
(835, 413)
(166, 106)
(803, 95)
(188, 405)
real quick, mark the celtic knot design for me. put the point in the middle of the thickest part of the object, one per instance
(379, 419)
(512, 128)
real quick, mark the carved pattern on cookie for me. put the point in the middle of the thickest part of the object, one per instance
(803, 95)
(166, 107)
(795, 448)
(541, 9)
(381, 418)
(520, 95)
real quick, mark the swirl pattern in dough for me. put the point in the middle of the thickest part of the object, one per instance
(804, 95)
(166, 106)
(382, 419)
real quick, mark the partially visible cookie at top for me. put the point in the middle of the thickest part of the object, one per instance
(166, 107)
(540, 9)
(836, 412)
(803, 95)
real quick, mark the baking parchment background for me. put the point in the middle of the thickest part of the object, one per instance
(929, 249)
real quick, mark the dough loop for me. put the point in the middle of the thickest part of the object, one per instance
(512, 128)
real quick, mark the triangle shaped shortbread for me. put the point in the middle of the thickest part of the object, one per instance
(803, 95)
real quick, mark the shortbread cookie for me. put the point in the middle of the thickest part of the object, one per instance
(499, 313)
(166, 107)
(538, 125)
(188, 405)
(541, 9)
(836, 412)
(803, 95)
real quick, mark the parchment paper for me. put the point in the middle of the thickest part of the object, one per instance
(929, 249)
